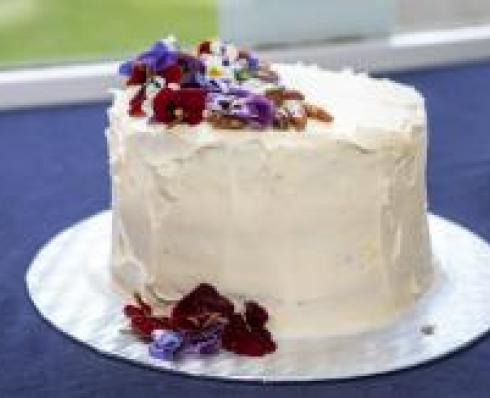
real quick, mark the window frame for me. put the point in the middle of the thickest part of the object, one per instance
(67, 84)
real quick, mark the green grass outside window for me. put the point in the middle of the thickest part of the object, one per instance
(51, 31)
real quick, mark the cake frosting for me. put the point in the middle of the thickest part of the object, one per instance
(326, 227)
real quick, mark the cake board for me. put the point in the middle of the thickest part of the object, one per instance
(69, 283)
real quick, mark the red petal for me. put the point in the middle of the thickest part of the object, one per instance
(240, 339)
(204, 47)
(234, 332)
(164, 322)
(255, 315)
(265, 338)
(250, 347)
(193, 102)
(172, 74)
(136, 102)
(136, 111)
(146, 308)
(164, 106)
(202, 300)
(138, 75)
(131, 311)
(143, 327)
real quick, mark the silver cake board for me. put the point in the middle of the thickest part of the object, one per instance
(69, 283)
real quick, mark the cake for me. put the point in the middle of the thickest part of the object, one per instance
(296, 187)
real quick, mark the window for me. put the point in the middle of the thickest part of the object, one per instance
(34, 32)
(47, 31)
(82, 41)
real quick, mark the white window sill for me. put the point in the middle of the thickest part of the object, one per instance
(92, 82)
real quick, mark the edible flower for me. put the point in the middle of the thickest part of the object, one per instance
(227, 87)
(202, 323)
(184, 105)
(165, 344)
(256, 111)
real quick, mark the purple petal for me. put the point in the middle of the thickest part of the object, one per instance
(159, 47)
(195, 80)
(209, 346)
(257, 110)
(261, 110)
(126, 68)
(165, 345)
(157, 58)
(239, 92)
(253, 63)
(161, 353)
(191, 63)
(149, 61)
(165, 60)
(167, 339)
(207, 341)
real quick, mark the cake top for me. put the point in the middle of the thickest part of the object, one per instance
(229, 88)
(199, 97)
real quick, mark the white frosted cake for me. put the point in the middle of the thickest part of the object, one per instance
(317, 211)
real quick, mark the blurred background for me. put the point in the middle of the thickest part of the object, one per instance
(39, 32)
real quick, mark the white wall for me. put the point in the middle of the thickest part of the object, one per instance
(262, 22)
(435, 14)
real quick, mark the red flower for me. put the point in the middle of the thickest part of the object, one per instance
(138, 75)
(185, 105)
(172, 74)
(164, 106)
(204, 47)
(193, 102)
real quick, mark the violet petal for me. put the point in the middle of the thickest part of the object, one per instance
(261, 110)
(126, 68)
(157, 58)
(166, 344)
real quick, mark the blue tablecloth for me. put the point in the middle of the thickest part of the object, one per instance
(53, 172)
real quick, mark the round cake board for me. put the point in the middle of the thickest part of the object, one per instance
(69, 283)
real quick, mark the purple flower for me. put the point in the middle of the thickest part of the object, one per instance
(256, 110)
(166, 344)
(207, 341)
(156, 59)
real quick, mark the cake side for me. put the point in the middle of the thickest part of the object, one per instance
(327, 228)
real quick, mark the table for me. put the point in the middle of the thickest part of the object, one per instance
(53, 172)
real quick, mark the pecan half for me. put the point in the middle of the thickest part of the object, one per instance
(226, 122)
(316, 112)
(280, 94)
(297, 114)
